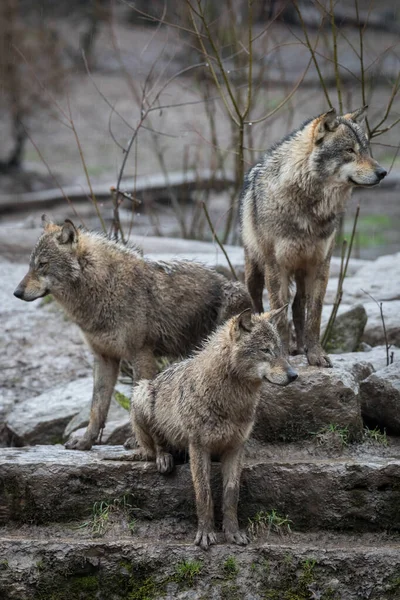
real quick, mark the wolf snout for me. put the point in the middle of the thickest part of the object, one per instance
(291, 375)
(19, 292)
(380, 173)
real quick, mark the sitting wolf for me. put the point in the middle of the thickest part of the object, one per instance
(290, 206)
(207, 404)
(127, 307)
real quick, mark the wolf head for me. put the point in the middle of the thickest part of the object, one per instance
(340, 150)
(53, 263)
(257, 349)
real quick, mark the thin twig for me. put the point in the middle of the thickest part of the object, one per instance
(216, 238)
(379, 304)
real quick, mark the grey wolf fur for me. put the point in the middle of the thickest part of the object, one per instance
(207, 404)
(127, 307)
(291, 203)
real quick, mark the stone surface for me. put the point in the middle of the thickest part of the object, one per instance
(69, 568)
(373, 332)
(316, 399)
(118, 417)
(380, 278)
(42, 419)
(359, 490)
(380, 399)
(347, 331)
(375, 357)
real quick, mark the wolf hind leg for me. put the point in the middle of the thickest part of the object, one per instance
(316, 282)
(254, 277)
(299, 311)
(277, 282)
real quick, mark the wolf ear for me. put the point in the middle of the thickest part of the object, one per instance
(359, 116)
(46, 221)
(326, 122)
(242, 323)
(69, 233)
(272, 314)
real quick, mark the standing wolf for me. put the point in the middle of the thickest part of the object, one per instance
(207, 403)
(126, 306)
(291, 203)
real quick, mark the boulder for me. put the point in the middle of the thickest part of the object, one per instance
(319, 397)
(347, 330)
(42, 419)
(373, 332)
(380, 278)
(116, 415)
(380, 399)
(362, 364)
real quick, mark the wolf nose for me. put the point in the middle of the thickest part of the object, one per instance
(292, 375)
(19, 293)
(381, 173)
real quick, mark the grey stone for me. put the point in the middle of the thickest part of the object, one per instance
(319, 397)
(117, 415)
(42, 419)
(356, 490)
(373, 332)
(380, 278)
(380, 399)
(104, 567)
(348, 330)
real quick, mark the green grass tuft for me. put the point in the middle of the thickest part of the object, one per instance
(267, 521)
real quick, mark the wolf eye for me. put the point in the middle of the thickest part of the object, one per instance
(266, 350)
(350, 150)
(42, 265)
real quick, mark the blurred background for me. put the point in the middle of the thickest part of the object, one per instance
(172, 101)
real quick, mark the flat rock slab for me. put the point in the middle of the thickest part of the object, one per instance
(380, 278)
(380, 399)
(358, 491)
(69, 569)
(316, 399)
(373, 331)
(42, 419)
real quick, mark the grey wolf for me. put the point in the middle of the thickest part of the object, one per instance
(290, 206)
(127, 307)
(207, 404)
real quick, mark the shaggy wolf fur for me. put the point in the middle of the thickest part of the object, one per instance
(127, 307)
(207, 404)
(291, 203)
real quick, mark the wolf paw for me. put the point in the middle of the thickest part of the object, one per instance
(318, 358)
(78, 444)
(205, 539)
(130, 443)
(165, 462)
(236, 537)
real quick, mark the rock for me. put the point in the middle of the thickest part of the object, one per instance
(43, 564)
(117, 417)
(373, 332)
(347, 330)
(361, 491)
(380, 399)
(380, 278)
(319, 397)
(357, 362)
(42, 419)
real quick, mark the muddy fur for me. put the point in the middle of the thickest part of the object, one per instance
(207, 404)
(290, 207)
(127, 307)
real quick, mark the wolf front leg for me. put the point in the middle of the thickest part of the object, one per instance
(200, 465)
(277, 283)
(231, 464)
(254, 276)
(316, 282)
(105, 375)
